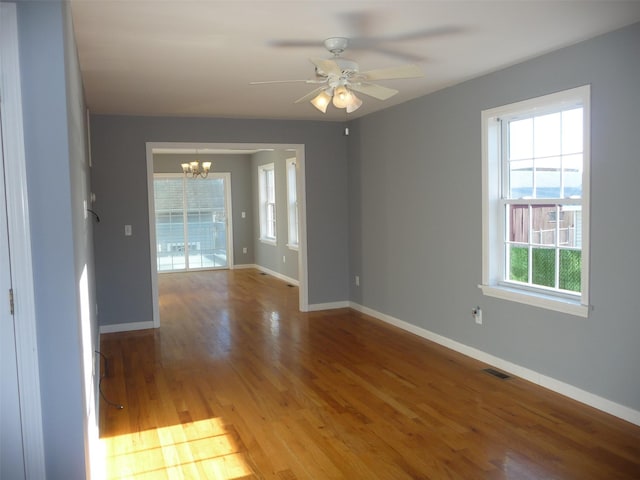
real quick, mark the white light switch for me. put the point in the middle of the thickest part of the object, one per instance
(127, 230)
(244, 214)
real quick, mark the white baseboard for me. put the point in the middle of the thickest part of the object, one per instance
(328, 306)
(244, 265)
(278, 275)
(575, 393)
(126, 327)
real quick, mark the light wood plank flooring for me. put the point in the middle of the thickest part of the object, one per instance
(238, 384)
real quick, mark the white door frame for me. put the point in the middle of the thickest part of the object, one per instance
(20, 240)
(302, 210)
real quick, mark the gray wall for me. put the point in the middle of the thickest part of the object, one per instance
(55, 144)
(239, 166)
(415, 218)
(123, 271)
(278, 258)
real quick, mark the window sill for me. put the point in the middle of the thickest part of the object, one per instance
(540, 300)
(269, 241)
(293, 246)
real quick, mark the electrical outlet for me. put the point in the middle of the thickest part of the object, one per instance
(476, 313)
(244, 250)
(357, 280)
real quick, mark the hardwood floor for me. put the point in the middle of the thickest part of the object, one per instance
(238, 384)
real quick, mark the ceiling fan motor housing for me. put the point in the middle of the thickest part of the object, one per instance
(336, 45)
(348, 67)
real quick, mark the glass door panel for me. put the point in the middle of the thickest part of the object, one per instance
(192, 235)
(206, 227)
(220, 234)
(170, 231)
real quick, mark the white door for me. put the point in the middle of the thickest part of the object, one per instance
(192, 227)
(11, 439)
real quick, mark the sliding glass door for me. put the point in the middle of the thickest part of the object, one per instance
(191, 222)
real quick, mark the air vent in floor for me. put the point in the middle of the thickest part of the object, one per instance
(496, 373)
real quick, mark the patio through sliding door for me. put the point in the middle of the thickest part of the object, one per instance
(191, 222)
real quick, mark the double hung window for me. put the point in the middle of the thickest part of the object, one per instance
(292, 204)
(267, 196)
(535, 201)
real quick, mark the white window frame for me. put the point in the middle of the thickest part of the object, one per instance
(268, 228)
(292, 205)
(493, 211)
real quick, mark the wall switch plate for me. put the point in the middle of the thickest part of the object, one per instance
(127, 230)
(476, 313)
(244, 250)
(357, 280)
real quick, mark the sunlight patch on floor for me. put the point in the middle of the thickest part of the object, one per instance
(205, 449)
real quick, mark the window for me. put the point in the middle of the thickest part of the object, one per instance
(292, 204)
(267, 208)
(536, 201)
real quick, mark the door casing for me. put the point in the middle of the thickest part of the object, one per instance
(302, 210)
(19, 235)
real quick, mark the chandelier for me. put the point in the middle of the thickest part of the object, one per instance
(196, 170)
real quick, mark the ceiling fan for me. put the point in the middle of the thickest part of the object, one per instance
(338, 78)
(363, 28)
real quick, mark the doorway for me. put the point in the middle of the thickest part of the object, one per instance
(297, 150)
(191, 222)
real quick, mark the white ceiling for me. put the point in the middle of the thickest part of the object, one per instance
(196, 58)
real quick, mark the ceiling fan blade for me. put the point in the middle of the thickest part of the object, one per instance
(403, 71)
(294, 43)
(286, 81)
(426, 33)
(310, 95)
(360, 23)
(373, 90)
(328, 66)
(396, 53)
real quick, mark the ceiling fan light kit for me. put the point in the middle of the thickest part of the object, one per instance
(322, 100)
(340, 77)
(341, 97)
(354, 104)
